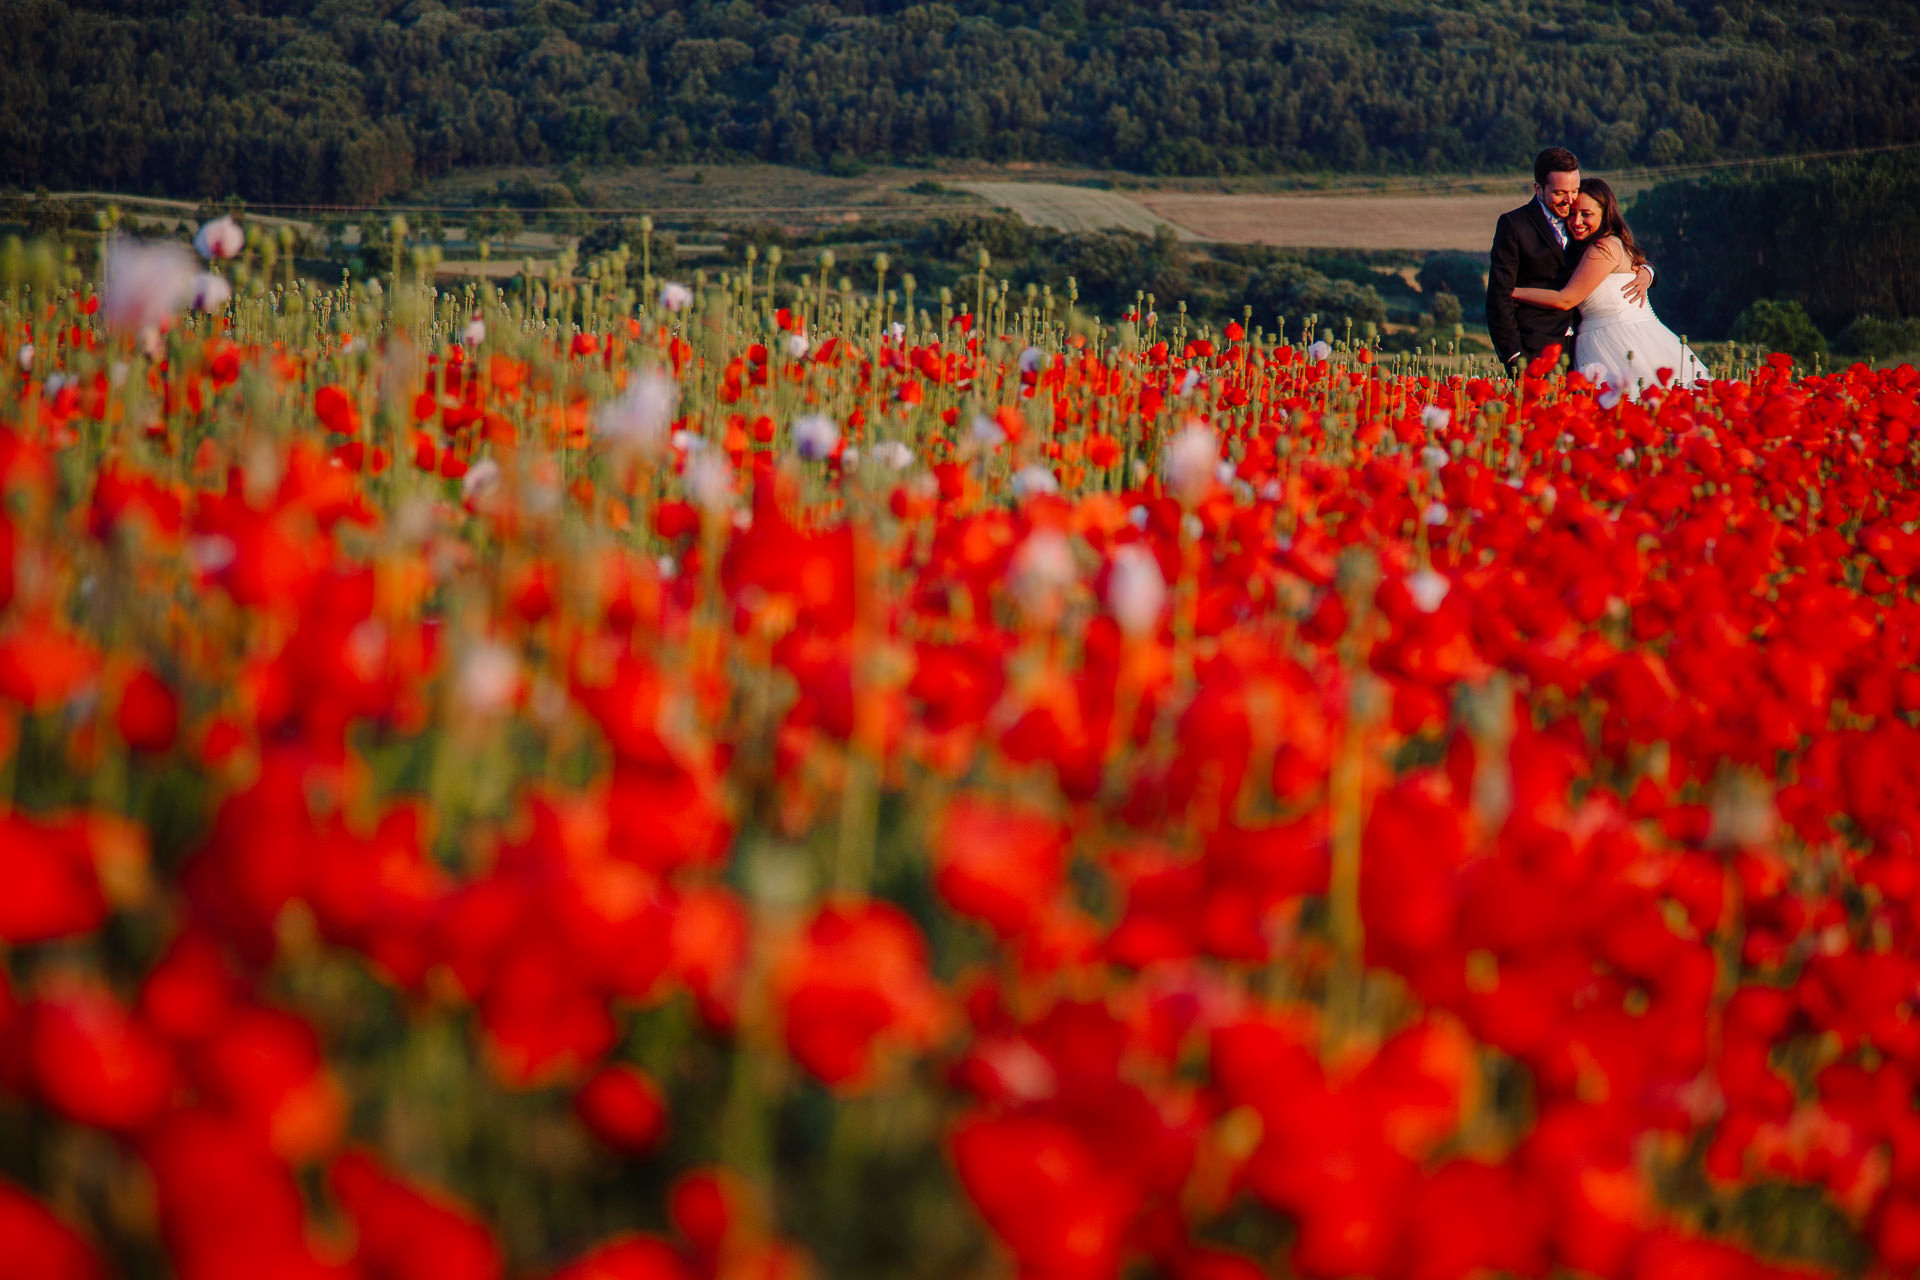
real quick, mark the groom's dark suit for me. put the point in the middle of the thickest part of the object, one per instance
(1526, 254)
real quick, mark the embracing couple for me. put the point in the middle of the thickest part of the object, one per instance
(1568, 250)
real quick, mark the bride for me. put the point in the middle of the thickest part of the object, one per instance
(1618, 343)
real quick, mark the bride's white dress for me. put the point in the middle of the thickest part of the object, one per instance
(1626, 345)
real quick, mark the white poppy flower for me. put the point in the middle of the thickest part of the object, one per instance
(1434, 457)
(986, 431)
(709, 481)
(815, 435)
(641, 416)
(475, 333)
(675, 297)
(798, 345)
(1136, 590)
(893, 455)
(1029, 482)
(1319, 352)
(220, 238)
(210, 292)
(145, 284)
(1191, 458)
(489, 679)
(1042, 569)
(1434, 418)
(210, 553)
(1436, 513)
(1428, 589)
(482, 478)
(1030, 360)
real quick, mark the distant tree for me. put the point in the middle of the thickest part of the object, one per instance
(609, 234)
(481, 227)
(1872, 338)
(1297, 291)
(353, 103)
(507, 224)
(1464, 275)
(1834, 237)
(1780, 326)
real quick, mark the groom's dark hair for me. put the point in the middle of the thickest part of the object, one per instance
(1554, 160)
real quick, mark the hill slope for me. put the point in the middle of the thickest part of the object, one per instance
(355, 99)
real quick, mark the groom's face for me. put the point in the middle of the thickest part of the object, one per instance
(1559, 192)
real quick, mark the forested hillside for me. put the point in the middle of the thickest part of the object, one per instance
(352, 100)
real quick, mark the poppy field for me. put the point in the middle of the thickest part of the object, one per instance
(779, 775)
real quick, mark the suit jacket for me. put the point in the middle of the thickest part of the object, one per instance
(1526, 254)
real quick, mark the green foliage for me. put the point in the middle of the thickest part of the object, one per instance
(351, 102)
(1836, 238)
(1295, 290)
(1872, 338)
(1464, 275)
(1780, 326)
(605, 237)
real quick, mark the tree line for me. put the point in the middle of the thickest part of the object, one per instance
(355, 100)
(1793, 256)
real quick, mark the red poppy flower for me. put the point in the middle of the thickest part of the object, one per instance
(854, 987)
(997, 864)
(624, 1108)
(39, 1246)
(93, 1061)
(406, 1232)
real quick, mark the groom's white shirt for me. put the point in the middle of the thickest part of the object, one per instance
(1553, 220)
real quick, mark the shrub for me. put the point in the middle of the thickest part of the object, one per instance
(1872, 338)
(1780, 326)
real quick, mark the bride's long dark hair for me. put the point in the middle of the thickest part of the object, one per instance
(1611, 223)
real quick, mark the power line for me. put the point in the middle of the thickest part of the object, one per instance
(883, 212)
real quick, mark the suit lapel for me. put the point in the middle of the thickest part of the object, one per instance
(1545, 223)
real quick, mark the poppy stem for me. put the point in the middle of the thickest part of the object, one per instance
(1357, 576)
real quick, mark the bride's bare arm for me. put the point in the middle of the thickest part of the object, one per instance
(1595, 266)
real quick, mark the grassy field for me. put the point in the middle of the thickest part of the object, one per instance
(1070, 208)
(1460, 222)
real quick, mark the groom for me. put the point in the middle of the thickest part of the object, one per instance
(1531, 248)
